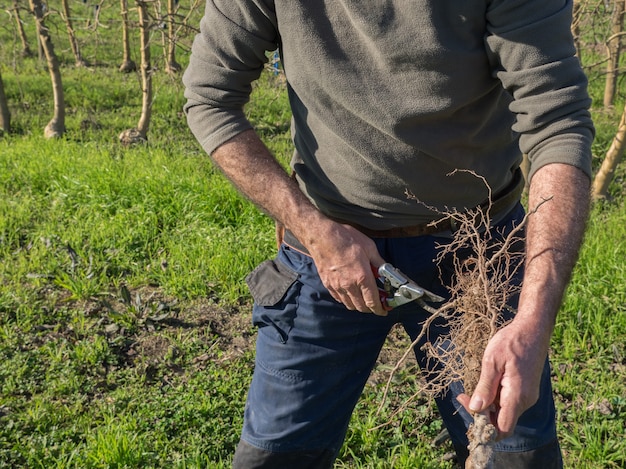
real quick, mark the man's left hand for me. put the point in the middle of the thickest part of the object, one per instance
(510, 377)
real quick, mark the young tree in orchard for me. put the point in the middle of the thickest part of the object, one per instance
(5, 114)
(140, 133)
(56, 126)
(128, 65)
(175, 24)
(614, 48)
(604, 176)
(26, 52)
(576, 17)
(171, 66)
(67, 17)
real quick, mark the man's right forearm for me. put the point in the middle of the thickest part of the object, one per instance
(342, 254)
(247, 162)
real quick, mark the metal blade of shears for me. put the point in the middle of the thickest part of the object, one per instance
(398, 289)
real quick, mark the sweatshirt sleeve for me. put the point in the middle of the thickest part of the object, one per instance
(226, 57)
(532, 52)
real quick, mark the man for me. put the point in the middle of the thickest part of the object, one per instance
(389, 97)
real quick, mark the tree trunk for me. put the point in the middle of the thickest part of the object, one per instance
(611, 160)
(127, 65)
(140, 134)
(576, 26)
(146, 69)
(5, 114)
(171, 66)
(80, 62)
(56, 127)
(162, 26)
(525, 166)
(614, 46)
(26, 52)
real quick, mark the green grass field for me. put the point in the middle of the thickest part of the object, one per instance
(125, 335)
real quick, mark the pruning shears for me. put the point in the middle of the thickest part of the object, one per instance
(397, 289)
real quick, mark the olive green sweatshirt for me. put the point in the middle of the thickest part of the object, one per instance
(397, 97)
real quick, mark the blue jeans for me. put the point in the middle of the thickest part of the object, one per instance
(314, 356)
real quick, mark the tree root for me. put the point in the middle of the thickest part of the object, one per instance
(482, 438)
(487, 265)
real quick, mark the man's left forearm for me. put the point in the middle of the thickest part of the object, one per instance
(514, 358)
(559, 198)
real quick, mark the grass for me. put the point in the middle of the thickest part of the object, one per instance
(589, 348)
(124, 318)
(88, 219)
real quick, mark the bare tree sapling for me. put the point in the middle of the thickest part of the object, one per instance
(56, 126)
(140, 133)
(128, 65)
(484, 283)
(5, 114)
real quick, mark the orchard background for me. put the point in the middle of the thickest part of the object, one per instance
(125, 334)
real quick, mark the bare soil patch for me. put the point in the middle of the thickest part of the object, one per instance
(227, 332)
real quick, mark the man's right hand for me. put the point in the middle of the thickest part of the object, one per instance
(344, 258)
(343, 255)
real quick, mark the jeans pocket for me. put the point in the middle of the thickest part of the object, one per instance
(274, 288)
